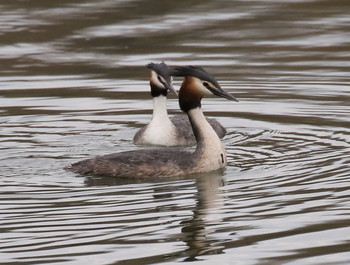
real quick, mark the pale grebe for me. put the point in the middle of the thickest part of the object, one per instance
(209, 155)
(177, 130)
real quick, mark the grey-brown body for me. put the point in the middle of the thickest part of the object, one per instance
(209, 155)
(137, 164)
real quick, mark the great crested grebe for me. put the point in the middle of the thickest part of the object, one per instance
(209, 155)
(162, 130)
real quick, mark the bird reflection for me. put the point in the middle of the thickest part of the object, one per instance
(195, 231)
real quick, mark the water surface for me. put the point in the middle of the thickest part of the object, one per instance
(73, 85)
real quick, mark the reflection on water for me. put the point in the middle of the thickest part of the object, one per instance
(206, 214)
(74, 85)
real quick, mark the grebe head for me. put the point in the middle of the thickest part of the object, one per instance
(196, 85)
(160, 80)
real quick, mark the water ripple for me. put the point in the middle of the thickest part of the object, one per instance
(74, 86)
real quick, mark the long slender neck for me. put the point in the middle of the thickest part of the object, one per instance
(159, 108)
(202, 130)
(210, 153)
(190, 103)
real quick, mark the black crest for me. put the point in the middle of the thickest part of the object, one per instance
(194, 71)
(161, 69)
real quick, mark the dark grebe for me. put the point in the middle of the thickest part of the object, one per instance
(209, 155)
(177, 130)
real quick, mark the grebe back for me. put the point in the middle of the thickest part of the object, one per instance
(209, 155)
(162, 130)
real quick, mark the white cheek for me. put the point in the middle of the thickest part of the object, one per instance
(202, 88)
(155, 81)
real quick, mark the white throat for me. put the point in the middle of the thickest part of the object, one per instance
(160, 111)
(160, 131)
